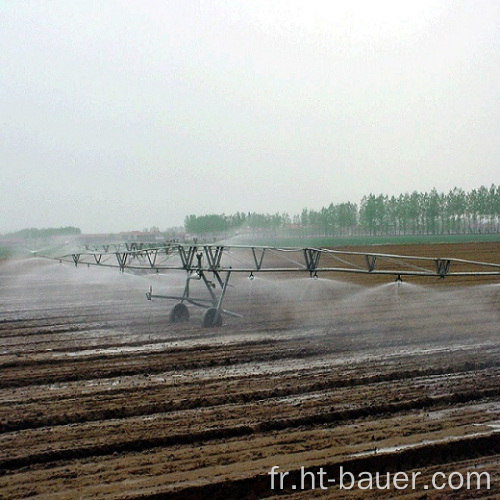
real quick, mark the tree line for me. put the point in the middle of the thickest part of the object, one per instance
(431, 212)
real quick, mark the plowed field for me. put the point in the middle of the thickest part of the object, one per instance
(101, 397)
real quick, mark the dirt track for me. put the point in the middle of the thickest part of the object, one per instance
(101, 397)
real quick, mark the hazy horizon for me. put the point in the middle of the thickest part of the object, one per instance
(124, 115)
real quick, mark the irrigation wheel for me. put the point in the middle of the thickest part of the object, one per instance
(179, 314)
(212, 318)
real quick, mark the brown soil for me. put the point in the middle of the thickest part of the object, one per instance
(101, 397)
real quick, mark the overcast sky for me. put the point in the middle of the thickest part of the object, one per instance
(121, 115)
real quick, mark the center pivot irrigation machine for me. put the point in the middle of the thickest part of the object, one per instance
(214, 264)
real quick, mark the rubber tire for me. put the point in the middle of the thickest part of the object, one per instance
(212, 318)
(179, 314)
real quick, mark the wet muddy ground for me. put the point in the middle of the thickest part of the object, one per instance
(101, 397)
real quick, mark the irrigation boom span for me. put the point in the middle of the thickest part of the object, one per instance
(219, 261)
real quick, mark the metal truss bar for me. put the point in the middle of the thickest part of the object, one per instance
(370, 262)
(312, 257)
(122, 259)
(214, 256)
(214, 253)
(152, 261)
(258, 260)
(187, 258)
(209, 258)
(223, 291)
(344, 261)
(442, 267)
(400, 258)
(404, 263)
(279, 252)
(218, 278)
(209, 286)
(185, 293)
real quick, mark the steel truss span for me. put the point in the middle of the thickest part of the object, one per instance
(218, 262)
